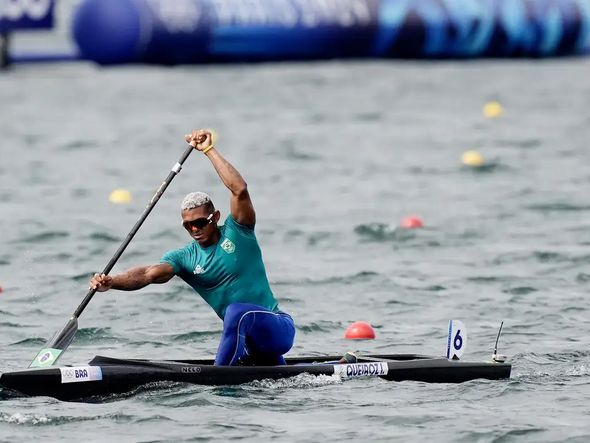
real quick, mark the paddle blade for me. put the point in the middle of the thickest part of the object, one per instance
(54, 347)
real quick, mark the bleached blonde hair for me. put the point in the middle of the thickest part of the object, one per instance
(196, 200)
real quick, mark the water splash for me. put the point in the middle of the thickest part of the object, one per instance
(578, 370)
(383, 231)
(301, 381)
(24, 419)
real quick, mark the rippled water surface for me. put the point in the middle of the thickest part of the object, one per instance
(335, 154)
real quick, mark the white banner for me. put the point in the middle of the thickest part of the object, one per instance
(456, 339)
(76, 374)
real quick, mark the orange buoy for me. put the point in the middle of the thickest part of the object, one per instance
(359, 330)
(411, 222)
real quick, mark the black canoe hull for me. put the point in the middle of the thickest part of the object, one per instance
(105, 376)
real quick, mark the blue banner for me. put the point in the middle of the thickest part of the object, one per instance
(204, 31)
(26, 14)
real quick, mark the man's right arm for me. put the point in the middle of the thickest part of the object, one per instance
(134, 278)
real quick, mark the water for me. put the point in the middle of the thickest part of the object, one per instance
(335, 154)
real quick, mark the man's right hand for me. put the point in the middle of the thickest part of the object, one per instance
(101, 282)
(199, 139)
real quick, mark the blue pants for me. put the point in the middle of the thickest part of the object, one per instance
(254, 335)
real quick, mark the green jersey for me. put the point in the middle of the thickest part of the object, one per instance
(230, 271)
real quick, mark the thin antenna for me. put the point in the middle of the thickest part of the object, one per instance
(497, 357)
(498, 338)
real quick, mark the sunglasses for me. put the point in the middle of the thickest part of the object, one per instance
(198, 223)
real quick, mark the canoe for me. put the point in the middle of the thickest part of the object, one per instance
(105, 376)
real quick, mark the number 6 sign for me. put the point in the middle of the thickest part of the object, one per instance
(456, 340)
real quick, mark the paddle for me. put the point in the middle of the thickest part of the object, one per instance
(61, 340)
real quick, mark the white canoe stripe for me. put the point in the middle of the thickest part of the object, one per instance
(374, 369)
(76, 374)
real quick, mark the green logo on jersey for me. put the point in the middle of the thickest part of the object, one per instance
(228, 246)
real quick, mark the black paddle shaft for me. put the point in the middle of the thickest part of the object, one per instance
(175, 170)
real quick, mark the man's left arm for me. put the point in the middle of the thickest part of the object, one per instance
(241, 207)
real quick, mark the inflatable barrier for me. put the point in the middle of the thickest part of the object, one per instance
(201, 31)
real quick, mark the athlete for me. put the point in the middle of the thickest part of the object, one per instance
(224, 265)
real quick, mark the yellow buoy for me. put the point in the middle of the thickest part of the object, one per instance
(472, 158)
(120, 196)
(492, 110)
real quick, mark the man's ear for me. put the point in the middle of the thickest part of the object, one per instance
(216, 216)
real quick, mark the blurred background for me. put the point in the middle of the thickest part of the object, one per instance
(198, 31)
(410, 161)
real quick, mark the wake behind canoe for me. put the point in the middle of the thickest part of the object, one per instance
(106, 376)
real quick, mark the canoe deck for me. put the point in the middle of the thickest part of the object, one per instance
(105, 376)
